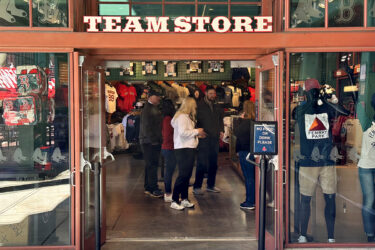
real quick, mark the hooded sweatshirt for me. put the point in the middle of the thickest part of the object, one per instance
(184, 134)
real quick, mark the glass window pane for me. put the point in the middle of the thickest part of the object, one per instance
(144, 10)
(15, 14)
(345, 13)
(50, 13)
(213, 10)
(305, 14)
(35, 198)
(174, 11)
(113, 9)
(179, 10)
(245, 10)
(246, 1)
(371, 13)
(113, 0)
(332, 154)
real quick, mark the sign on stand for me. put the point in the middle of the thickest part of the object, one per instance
(263, 141)
(264, 136)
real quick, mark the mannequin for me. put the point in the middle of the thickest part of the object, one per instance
(366, 170)
(317, 155)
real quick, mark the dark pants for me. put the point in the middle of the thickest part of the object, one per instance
(170, 165)
(248, 171)
(208, 151)
(151, 155)
(185, 161)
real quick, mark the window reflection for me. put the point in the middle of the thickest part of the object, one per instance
(34, 153)
(14, 13)
(332, 143)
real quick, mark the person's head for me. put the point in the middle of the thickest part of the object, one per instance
(189, 107)
(154, 97)
(167, 108)
(211, 93)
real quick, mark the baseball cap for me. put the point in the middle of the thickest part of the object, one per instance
(152, 92)
(311, 84)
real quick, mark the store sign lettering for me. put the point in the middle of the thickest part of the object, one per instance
(183, 24)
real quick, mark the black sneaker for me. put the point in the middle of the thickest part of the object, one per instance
(247, 206)
(156, 193)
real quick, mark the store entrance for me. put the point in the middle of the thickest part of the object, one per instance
(114, 96)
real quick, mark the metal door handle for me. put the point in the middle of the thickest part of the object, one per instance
(108, 154)
(85, 163)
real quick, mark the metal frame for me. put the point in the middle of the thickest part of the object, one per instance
(267, 64)
(74, 198)
(163, 3)
(32, 28)
(326, 28)
(287, 150)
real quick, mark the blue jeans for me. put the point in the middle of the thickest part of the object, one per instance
(170, 165)
(248, 171)
(367, 179)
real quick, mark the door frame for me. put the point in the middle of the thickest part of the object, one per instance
(273, 61)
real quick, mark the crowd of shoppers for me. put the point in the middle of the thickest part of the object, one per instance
(190, 135)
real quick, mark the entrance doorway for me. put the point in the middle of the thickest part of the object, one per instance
(129, 217)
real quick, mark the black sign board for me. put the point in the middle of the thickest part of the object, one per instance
(263, 139)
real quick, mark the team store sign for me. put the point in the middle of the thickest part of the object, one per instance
(182, 24)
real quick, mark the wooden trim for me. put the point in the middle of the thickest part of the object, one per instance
(276, 41)
(77, 146)
(35, 50)
(72, 151)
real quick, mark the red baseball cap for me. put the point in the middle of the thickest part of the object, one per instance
(311, 84)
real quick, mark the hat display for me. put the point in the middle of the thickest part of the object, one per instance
(311, 84)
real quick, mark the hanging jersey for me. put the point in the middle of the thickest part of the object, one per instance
(110, 98)
(8, 78)
(367, 159)
(123, 94)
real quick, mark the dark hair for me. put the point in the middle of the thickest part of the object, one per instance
(167, 108)
(209, 87)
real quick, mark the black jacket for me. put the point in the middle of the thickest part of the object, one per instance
(150, 125)
(210, 121)
(243, 136)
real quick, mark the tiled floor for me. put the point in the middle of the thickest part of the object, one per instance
(136, 221)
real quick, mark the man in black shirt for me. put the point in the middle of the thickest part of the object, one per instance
(210, 118)
(150, 138)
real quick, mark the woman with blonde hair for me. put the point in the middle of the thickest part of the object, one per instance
(185, 138)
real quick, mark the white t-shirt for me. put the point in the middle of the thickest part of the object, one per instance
(367, 159)
(110, 98)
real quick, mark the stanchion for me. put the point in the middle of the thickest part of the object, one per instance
(97, 204)
(262, 203)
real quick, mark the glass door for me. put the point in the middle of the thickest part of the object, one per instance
(92, 141)
(269, 104)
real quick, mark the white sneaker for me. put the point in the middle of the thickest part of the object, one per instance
(168, 197)
(186, 203)
(176, 206)
(331, 240)
(302, 239)
(57, 156)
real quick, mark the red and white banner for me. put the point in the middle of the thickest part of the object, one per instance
(8, 78)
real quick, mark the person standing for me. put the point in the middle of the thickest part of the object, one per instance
(210, 118)
(185, 137)
(243, 149)
(150, 138)
(167, 148)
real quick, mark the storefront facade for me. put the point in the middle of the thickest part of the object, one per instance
(329, 41)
